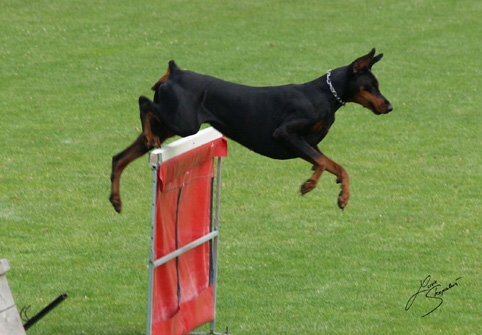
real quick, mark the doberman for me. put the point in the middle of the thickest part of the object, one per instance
(280, 122)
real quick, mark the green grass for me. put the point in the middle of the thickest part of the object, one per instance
(71, 72)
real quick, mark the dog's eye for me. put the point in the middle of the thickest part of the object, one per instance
(372, 87)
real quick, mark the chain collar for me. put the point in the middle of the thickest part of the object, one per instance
(332, 89)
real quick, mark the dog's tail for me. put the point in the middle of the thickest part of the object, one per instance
(171, 68)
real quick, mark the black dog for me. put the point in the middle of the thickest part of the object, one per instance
(280, 122)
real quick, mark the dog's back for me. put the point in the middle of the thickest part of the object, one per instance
(188, 99)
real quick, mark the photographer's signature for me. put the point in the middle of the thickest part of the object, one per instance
(430, 289)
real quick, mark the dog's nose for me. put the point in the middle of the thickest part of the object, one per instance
(389, 107)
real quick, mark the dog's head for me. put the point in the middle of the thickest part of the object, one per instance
(364, 85)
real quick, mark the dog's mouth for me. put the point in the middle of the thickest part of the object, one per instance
(374, 108)
(387, 108)
(376, 103)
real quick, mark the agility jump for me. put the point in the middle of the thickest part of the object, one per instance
(184, 234)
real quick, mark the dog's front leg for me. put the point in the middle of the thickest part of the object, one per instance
(311, 183)
(287, 135)
(324, 163)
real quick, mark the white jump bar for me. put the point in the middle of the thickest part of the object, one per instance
(158, 156)
(184, 249)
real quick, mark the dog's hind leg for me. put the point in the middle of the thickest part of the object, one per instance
(147, 118)
(119, 163)
(153, 134)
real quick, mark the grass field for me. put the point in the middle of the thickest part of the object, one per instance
(71, 72)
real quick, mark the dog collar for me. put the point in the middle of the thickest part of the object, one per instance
(332, 89)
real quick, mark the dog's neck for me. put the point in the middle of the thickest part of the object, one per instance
(332, 88)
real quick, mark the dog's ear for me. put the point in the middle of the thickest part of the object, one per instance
(364, 61)
(375, 60)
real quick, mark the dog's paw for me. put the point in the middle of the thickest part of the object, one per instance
(307, 186)
(116, 202)
(343, 198)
